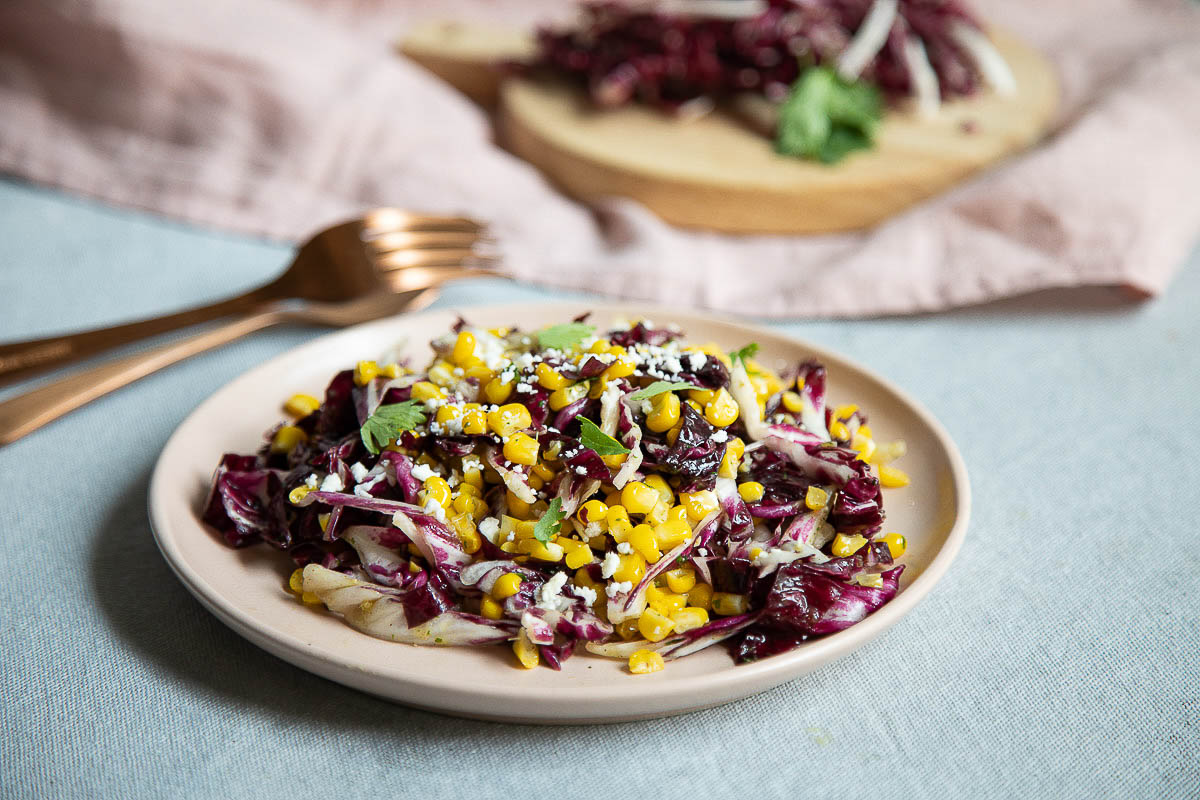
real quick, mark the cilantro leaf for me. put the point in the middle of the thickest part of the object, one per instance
(825, 117)
(658, 387)
(551, 522)
(595, 439)
(389, 421)
(746, 353)
(561, 337)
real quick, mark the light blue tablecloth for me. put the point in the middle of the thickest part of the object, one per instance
(1059, 658)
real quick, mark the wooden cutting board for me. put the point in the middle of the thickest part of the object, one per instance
(717, 174)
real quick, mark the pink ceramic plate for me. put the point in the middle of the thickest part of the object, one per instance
(245, 588)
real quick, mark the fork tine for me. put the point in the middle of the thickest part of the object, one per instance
(409, 259)
(383, 220)
(430, 276)
(424, 240)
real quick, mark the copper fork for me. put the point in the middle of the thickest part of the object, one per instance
(386, 250)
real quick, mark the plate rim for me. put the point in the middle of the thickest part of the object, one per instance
(764, 673)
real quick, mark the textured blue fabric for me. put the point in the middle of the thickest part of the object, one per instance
(1060, 657)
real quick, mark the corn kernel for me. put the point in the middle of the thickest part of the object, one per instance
(423, 391)
(301, 405)
(643, 541)
(365, 372)
(310, 599)
(628, 629)
(732, 458)
(658, 514)
(623, 367)
(678, 512)
(664, 412)
(665, 603)
(700, 596)
(680, 580)
(816, 498)
(699, 504)
(497, 391)
(480, 374)
(863, 445)
(751, 491)
(508, 419)
(865, 430)
(464, 347)
(521, 449)
(631, 568)
(436, 489)
(615, 461)
(473, 477)
(490, 609)
(474, 423)
(654, 626)
(702, 396)
(579, 558)
(620, 529)
(896, 543)
(543, 551)
(891, 477)
(638, 498)
(298, 494)
(839, 431)
(659, 484)
(584, 578)
(599, 347)
(465, 503)
(844, 545)
(525, 650)
(616, 514)
(793, 402)
(845, 412)
(871, 579)
(723, 410)
(673, 434)
(287, 438)
(690, 618)
(296, 581)
(643, 662)
(672, 533)
(561, 398)
(727, 605)
(550, 378)
(594, 511)
(447, 414)
(506, 585)
(442, 373)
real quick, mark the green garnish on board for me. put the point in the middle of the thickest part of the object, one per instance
(826, 117)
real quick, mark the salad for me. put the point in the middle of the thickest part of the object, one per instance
(618, 490)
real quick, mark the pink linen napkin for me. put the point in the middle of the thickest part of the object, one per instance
(276, 117)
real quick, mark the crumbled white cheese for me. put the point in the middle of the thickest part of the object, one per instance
(592, 529)
(423, 472)
(332, 483)
(363, 491)
(312, 481)
(471, 463)
(618, 587)
(550, 594)
(624, 548)
(697, 360)
(611, 564)
(358, 471)
(489, 527)
(586, 592)
(435, 509)
(720, 436)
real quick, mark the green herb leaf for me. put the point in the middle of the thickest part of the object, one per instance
(826, 118)
(746, 353)
(658, 387)
(551, 522)
(388, 422)
(561, 337)
(595, 439)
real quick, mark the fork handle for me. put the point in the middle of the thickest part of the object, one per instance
(22, 359)
(25, 413)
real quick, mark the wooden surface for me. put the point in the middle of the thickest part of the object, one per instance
(715, 172)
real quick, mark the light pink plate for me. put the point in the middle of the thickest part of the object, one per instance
(246, 588)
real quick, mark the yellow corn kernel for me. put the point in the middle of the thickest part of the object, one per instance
(673, 434)
(628, 630)
(490, 609)
(535, 482)
(464, 528)
(732, 458)
(726, 604)
(723, 410)
(561, 398)
(665, 603)
(631, 568)
(687, 619)
(891, 477)
(865, 430)
(699, 504)
(543, 471)
(599, 347)
(365, 372)
(597, 387)
(755, 552)
(436, 489)
(423, 391)
(466, 503)
(287, 438)
(615, 461)
(310, 599)
(496, 391)
(896, 543)
(839, 431)
(298, 494)
(680, 580)
(447, 414)
(816, 498)
(845, 412)
(643, 662)
(464, 347)
(301, 405)
(659, 484)
(508, 547)
(672, 533)
(664, 412)
(545, 551)
(500, 332)
(296, 581)
(473, 477)
(506, 585)
(654, 626)
(793, 402)
(638, 498)
(323, 521)
(475, 422)
(700, 596)
(508, 419)
(702, 396)
(863, 445)
(442, 373)
(584, 578)
(594, 511)
(481, 374)
(678, 512)
(516, 506)
(616, 514)
(642, 540)
(521, 449)
(579, 557)
(525, 650)
(550, 378)
(713, 349)
(844, 545)
(658, 514)
(623, 367)
(751, 491)
(620, 529)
